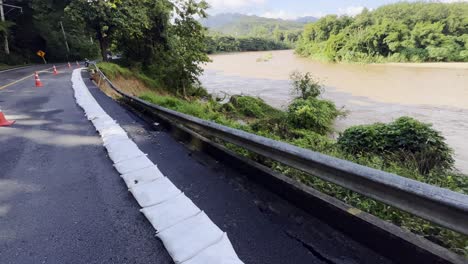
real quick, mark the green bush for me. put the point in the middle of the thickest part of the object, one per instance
(364, 139)
(276, 125)
(406, 140)
(311, 140)
(305, 86)
(314, 114)
(248, 106)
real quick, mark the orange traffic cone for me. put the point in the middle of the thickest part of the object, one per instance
(55, 70)
(38, 81)
(69, 65)
(4, 121)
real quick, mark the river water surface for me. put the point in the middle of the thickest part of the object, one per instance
(433, 93)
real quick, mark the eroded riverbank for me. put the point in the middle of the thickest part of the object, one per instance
(371, 93)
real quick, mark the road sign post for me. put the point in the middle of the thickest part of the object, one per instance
(42, 54)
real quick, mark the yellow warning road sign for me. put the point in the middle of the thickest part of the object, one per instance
(40, 53)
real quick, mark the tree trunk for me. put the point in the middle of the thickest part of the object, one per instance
(184, 91)
(5, 34)
(104, 45)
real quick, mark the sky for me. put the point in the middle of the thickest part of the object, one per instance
(291, 9)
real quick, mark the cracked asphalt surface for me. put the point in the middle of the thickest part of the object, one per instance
(61, 201)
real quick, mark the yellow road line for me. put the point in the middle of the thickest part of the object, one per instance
(17, 81)
(22, 79)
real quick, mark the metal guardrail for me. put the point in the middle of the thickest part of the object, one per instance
(440, 206)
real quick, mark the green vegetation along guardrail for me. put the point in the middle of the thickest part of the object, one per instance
(437, 205)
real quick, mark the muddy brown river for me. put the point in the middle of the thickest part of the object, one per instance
(432, 93)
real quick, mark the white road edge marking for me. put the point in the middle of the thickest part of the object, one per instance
(188, 234)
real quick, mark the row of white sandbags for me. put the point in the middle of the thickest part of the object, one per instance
(187, 233)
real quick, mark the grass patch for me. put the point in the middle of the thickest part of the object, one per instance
(112, 70)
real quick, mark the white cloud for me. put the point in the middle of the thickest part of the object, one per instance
(351, 10)
(232, 5)
(262, 8)
(279, 14)
(289, 15)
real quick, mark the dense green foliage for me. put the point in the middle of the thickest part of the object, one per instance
(219, 43)
(162, 39)
(404, 140)
(38, 28)
(401, 32)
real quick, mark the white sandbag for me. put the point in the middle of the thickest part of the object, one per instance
(189, 237)
(120, 151)
(94, 112)
(170, 212)
(101, 118)
(134, 164)
(188, 234)
(142, 176)
(155, 192)
(89, 104)
(103, 122)
(220, 253)
(110, 131)
(114, 138)
(87, 101)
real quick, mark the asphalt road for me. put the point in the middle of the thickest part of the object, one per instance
(61, 201)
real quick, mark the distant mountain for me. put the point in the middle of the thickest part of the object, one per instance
(245, 25)
(306, 19)
(221, 20)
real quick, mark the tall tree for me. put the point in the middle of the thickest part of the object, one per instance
(107, 17)
(188, 43)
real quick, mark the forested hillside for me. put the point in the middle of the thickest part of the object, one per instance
(222, 43)
(252, 26)
(402, 32)
(237, 32)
